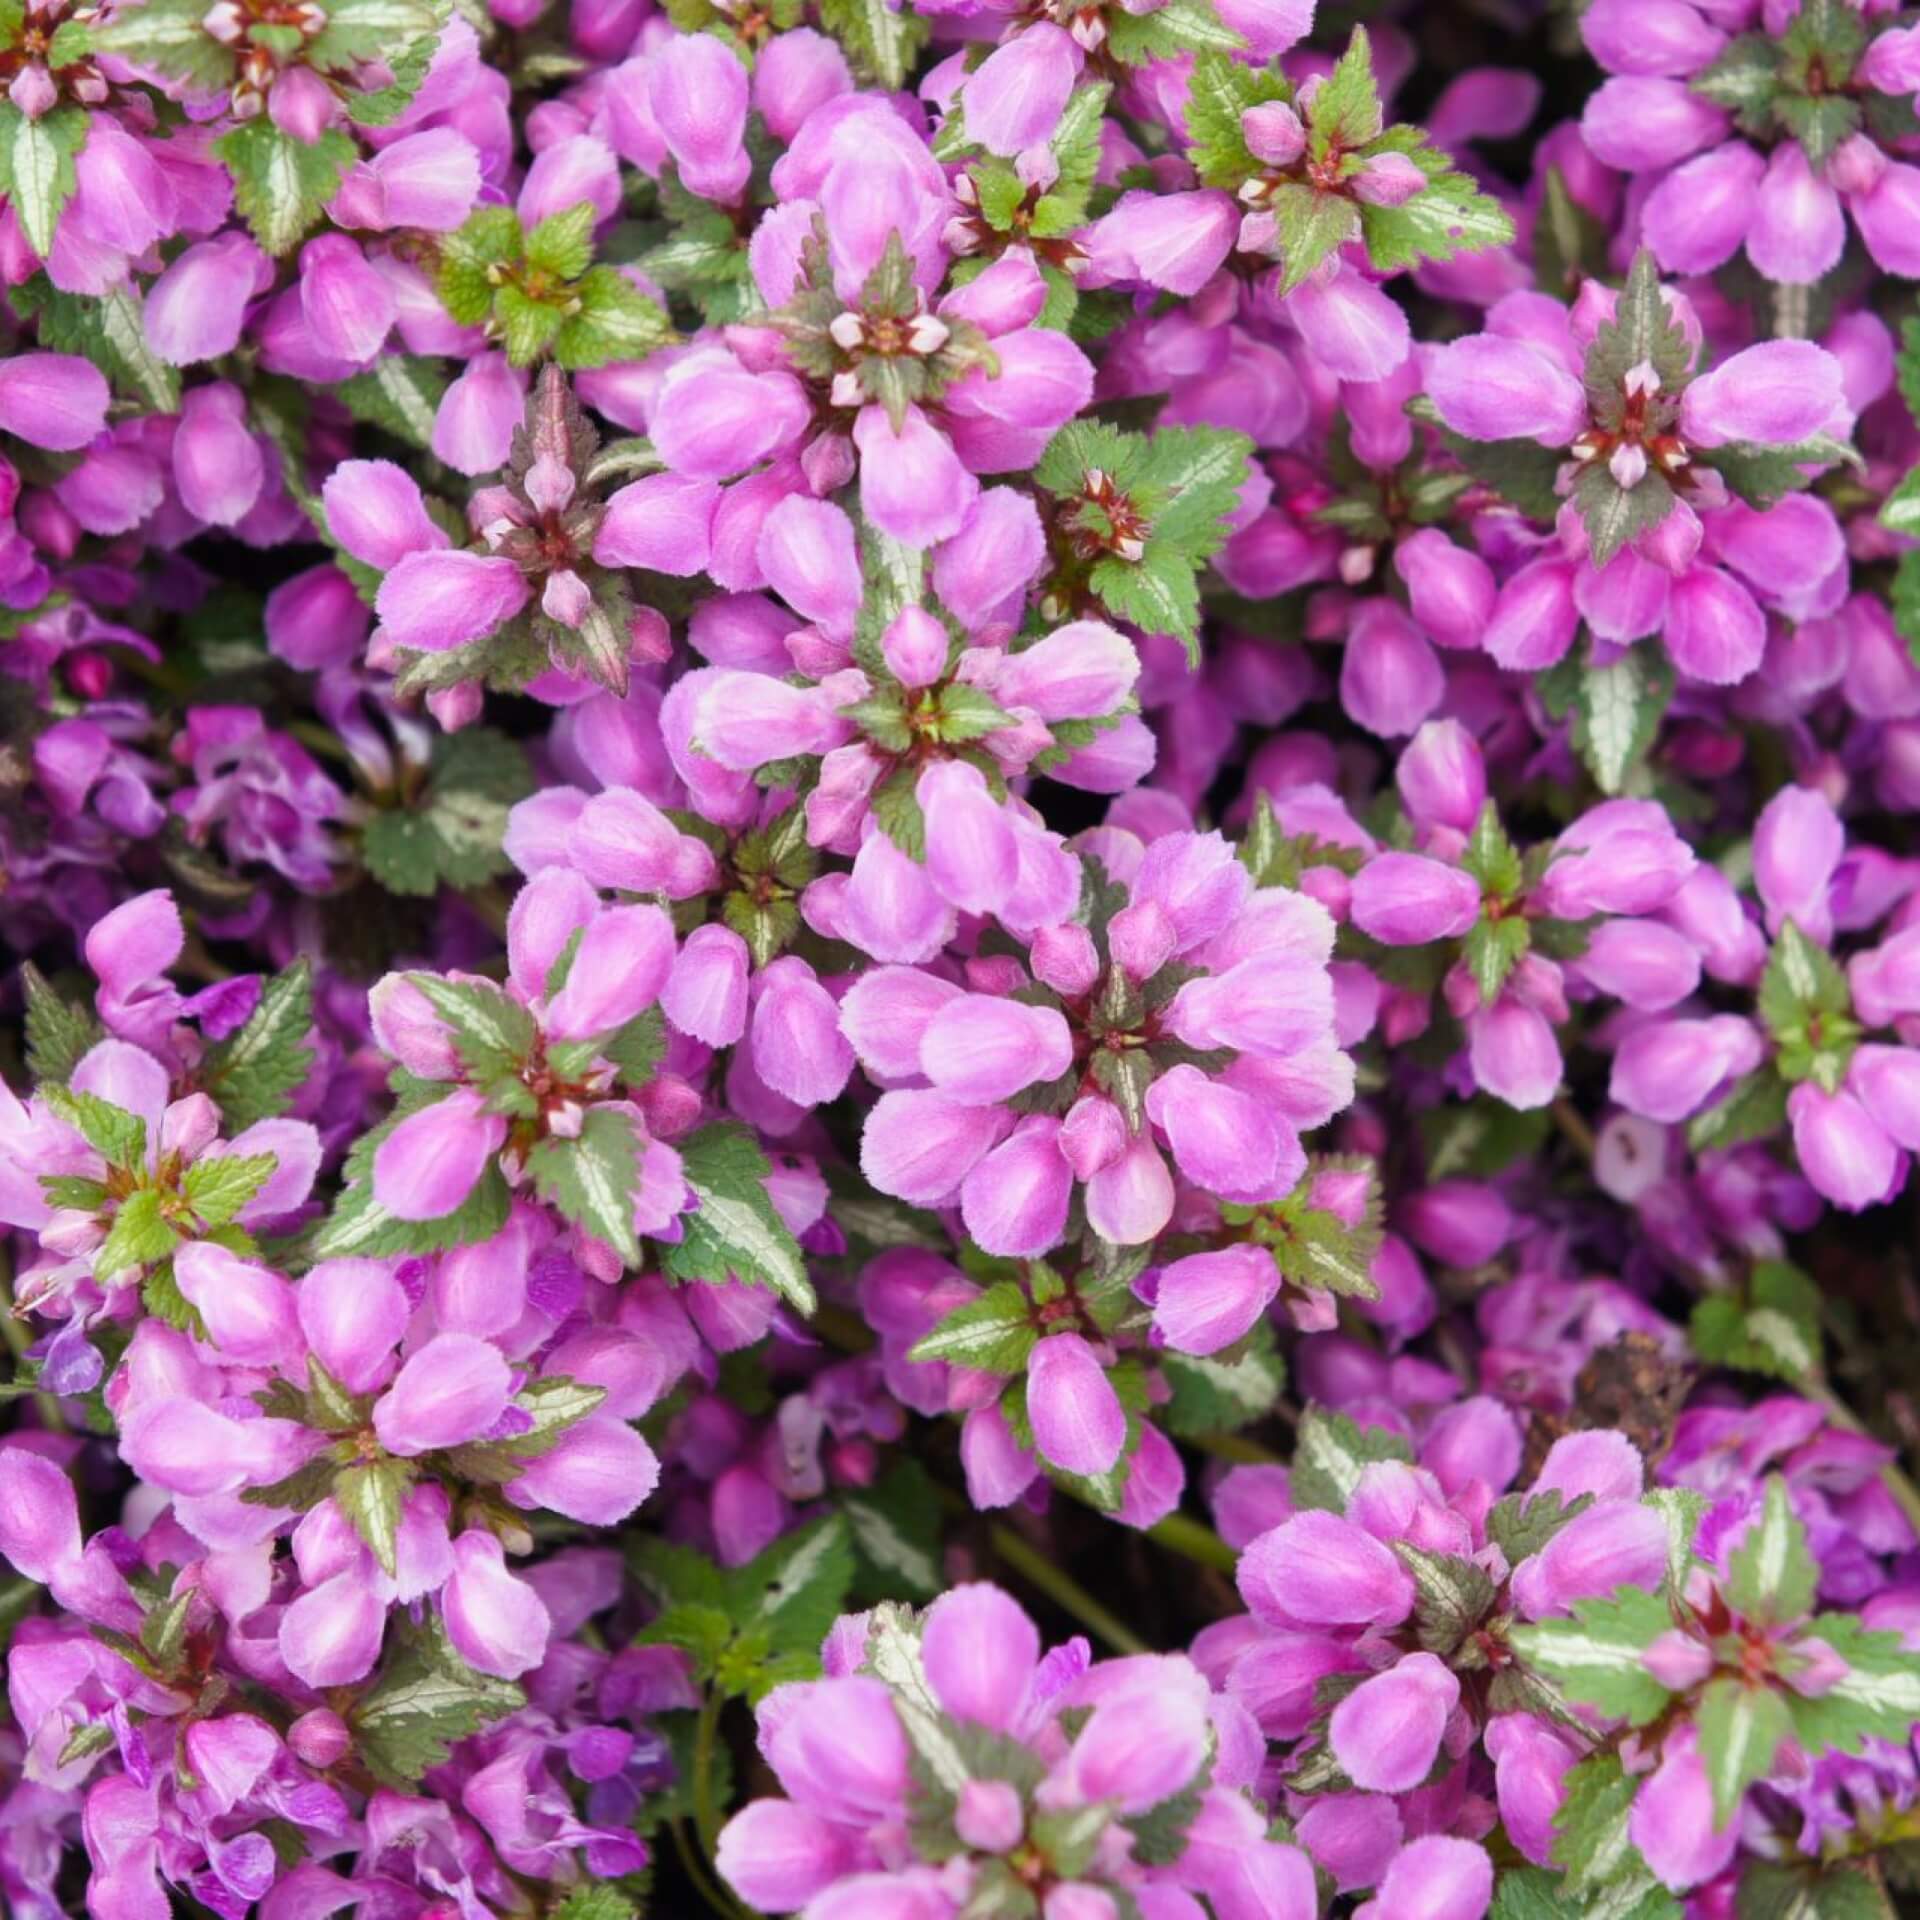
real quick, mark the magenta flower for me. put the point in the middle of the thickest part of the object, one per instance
(1198, 1015)
(1652, 536)
(1141, 1736)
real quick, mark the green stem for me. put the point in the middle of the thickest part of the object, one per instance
(706, 1817)
(840, 1328)
(1236, 1448)
(1066, 1592)
(1573, 1124)
(1183, 1534)
(322, 740)
(697, 1872)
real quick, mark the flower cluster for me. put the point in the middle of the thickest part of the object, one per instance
(848, 845)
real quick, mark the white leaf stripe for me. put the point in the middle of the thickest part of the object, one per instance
(893, 1656)
(737, 1223)
(1775, 1331)
(36, 195)
(1738, 1742)
(1772, 1542)
(1896, 1692)
(607, 1193)
(886, 1546)
(791, 1581)
(1568, 1650)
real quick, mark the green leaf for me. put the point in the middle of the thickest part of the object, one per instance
(562, 244)
(160, 1295)
(992, 1334)
(139, 1235)
(1520, 471)
(57, 1033)
(87, 1739)
(1481, 1137)
(797, 1588)
(1330, 1453)
(895, 804)
(1521, 1524)
(965, 713)
(1740, 1728)
(74, 1192)
(1755, 1109)
(365, 30)
(400, 393)
(703, 1634)
(1202, 470)
(1597, 1655)
(163, 1633)
(372, 1494)
(637, 1049)
(1531, 1893)
(1590, 1829)
(1743, 79)
(591, 1179)
(880, 41)
(1615, 515)
(1680, 1509)
(1075, 143)
(1771, 1575)
(1311, 225)
(280, 184)
(1819, 123)
(1219, 90)
(895, 1527)
(615, 321)
(492, 1033)
(1315, 1247)
(1491, 857)
(1771, 1325)
(1569, 244)
(427, 1698)
(1346, 110)
(169, 36)
(360, 1225)
(1617, 713)
(1452, 216)
(489, 238)
(1452, 1596)
(1900, 511)
(254, 1074)
(454, 835)
(117, 1136)
(735, 1231)
(526, 326)
(1221, 1392)
(1642, 329)
(36, 168)
(1878, 1696)
(1493, 949)
(1157, 593)
(384, 105)
(109, 330)
(1764, 476)
(1907, 366)
(602, 1902)
(1807, 1007)
(217, 1186)
(1803, 1891)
